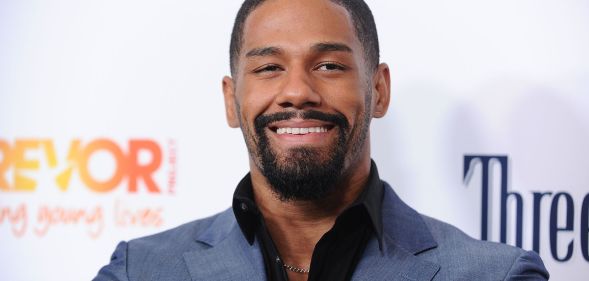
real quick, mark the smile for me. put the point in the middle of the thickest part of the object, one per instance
(301, 131)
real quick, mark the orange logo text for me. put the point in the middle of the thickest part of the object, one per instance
(18, 166)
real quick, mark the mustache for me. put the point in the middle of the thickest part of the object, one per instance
(264, 120)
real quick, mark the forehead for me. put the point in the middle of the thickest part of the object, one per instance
(298, 24)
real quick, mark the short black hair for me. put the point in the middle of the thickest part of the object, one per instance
(359, 12)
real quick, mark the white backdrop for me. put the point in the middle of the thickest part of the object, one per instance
(101, 79)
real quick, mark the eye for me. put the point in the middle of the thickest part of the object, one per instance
(268, 68)
(330, 66)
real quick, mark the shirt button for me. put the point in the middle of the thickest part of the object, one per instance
(244, 207)
(278, 260)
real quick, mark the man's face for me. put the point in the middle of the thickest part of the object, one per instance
(302, 95)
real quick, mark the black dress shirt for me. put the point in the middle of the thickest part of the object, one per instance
(339, 250)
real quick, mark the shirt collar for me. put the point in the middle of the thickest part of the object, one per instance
(248, 215)
(245, 208)
(371, 200)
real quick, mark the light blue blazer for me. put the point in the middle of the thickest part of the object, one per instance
(415, 248)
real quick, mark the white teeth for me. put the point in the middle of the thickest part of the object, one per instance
(301, 131)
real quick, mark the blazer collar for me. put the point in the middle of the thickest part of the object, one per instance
(405, 236)
(403, 225)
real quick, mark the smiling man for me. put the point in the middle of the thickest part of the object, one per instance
(305, 84)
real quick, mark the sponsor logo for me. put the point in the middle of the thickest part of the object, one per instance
(31, 168)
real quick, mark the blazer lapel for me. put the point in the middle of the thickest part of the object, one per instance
(394, 263)
(224, 253)
(405, 236)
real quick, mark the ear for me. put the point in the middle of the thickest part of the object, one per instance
(381, 91)
(230, 102)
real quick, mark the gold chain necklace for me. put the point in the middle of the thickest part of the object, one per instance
(296, 269)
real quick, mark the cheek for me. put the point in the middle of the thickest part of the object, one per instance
(253, 101)
(349, 100)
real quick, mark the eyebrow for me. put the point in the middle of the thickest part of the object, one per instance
(322, 47)
(331, 47)
(263, 51)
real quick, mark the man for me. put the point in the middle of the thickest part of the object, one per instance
(306, 82)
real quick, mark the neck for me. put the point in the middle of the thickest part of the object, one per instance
(297, 226)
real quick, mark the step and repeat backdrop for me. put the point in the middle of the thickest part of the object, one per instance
(112, 124)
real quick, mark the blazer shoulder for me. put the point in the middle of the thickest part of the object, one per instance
(462, 255)
(147, 257)
(453, 240)
(181, 235)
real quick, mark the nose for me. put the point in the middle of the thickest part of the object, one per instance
(298, 91)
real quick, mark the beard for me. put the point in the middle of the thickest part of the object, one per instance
(302, 173)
